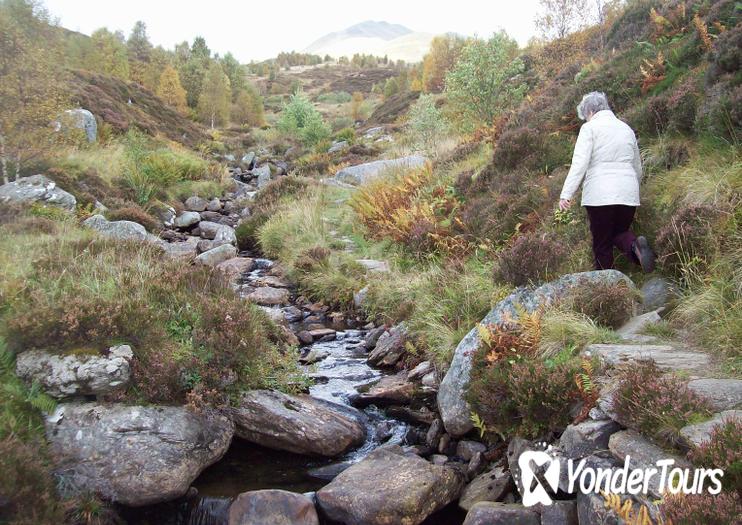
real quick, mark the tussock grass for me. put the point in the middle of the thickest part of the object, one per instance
(562, 328)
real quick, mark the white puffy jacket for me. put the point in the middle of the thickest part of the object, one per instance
(607, 157)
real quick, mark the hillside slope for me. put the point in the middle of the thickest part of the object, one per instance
(124, 105)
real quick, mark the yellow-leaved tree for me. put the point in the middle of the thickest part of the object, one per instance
(444, 51)
(214, 103)
(248, 107)
(171, 91)
(31, 80)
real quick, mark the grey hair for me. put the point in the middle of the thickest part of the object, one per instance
(592, 103)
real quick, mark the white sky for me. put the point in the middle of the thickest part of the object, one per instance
(258, 30)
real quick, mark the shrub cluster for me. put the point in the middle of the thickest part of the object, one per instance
(187, 328)
(608, 304)
(135, 213)
(722, 451)
(657, 404)
(719, 509)
(688, 241)
(514, 391)
(530, 259)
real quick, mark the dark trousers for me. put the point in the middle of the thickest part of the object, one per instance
(609, 226)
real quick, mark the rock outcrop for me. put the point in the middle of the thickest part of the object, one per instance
(453, 407)
(37, 188)
(134, 455)
(362, 173)
(389, 486)
(299, 424)
(66, 375)
(122, 230)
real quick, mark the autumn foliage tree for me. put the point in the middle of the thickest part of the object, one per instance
(248, 107)
(558, 18)
(214, 103)
(356, 106)
(171, 91)
(109, 55)
(31, 80)
(444, 51)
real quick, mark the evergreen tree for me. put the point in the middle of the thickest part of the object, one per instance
(192, 69)
(215, 98)
(171, 91)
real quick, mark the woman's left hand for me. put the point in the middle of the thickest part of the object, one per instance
(565, 204)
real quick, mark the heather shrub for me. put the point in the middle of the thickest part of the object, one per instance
(518, 148)
(722, 451)
(513, 391)
(188, 330)
(681, 107)
(720, 509)
(136, 214)
(688, 241)
(530, 259)
(657, 404)
(27, 487)
(608, 304)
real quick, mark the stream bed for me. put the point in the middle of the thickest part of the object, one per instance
(247, 466)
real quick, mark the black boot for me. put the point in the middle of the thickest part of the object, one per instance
(643, 253)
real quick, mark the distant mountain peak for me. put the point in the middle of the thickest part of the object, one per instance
(373, 37)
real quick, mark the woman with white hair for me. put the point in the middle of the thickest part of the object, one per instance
(607, 157)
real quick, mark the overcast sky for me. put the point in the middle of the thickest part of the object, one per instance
(257, 30)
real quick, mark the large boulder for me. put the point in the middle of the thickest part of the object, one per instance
(492, 485)
(389, 348)
(583, 439)
(217, 232)
(387, 487)
(274, 507)
(269, 296)
(134, 455)
(362, 173)
(235, 267)
(187, 219)
(122, 230)
(263, 175)
(37, 188)
(217, 255)
(454, 408)
(394, 389)
(300, 424)
(76, 374)
(490, 513)
(81, 119)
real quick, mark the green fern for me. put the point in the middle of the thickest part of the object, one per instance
(478, 424)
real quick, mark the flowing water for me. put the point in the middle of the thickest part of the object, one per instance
(247, 466)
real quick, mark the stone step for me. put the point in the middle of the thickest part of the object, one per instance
(724, 394)
(665, 356)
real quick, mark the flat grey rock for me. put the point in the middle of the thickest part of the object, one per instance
(490, 513)
(724, 394)
(37, 188)
(695, 435)
(586, 438)
(489, 486)
(665, 356)
(217, 255)
(363, 173)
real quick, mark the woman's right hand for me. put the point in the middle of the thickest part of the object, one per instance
(565, 204)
